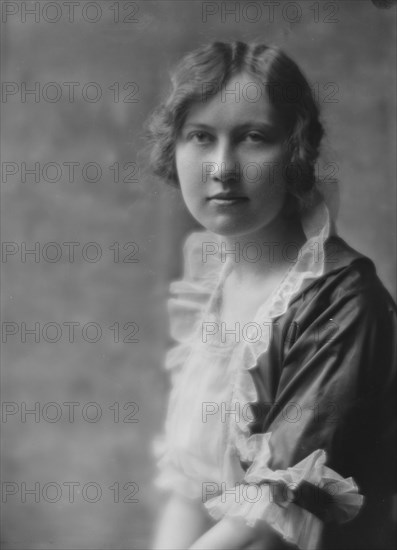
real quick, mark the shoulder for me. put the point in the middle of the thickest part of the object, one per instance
(342, 324)
(347, 307)
(348, 275)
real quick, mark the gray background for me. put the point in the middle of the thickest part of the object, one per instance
(351, 46)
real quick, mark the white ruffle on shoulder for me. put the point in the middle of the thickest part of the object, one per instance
(206, 430)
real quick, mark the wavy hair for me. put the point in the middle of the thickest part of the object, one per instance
(203, 72)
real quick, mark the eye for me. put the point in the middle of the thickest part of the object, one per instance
(256, 137)
(200, 137)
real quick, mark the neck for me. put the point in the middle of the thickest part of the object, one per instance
(273, 248)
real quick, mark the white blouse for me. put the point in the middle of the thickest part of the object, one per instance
(206, 430)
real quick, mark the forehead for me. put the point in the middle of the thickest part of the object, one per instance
(242, 99)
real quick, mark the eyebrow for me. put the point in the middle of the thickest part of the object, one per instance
(249, 124)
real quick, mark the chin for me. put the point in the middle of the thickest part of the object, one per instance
(232, 229)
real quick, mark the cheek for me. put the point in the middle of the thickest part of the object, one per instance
(189, 167)
(269, 196)
(267, 178)
(187, 171)
(186, 165)
(265, 164)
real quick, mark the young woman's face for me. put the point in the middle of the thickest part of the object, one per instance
(230, 157)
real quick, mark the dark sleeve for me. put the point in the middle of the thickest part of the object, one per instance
(333, 386)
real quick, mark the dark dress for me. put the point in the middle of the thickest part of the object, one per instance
(333, 356)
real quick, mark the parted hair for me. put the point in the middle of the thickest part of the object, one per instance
(202, 73)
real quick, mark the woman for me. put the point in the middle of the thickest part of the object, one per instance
(281, 427)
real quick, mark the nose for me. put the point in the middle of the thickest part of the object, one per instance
(226, 168)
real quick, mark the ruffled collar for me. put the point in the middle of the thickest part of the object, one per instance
(205, 268)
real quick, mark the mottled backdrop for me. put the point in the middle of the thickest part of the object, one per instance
(90, 239)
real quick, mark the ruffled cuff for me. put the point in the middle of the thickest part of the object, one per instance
(295, 502)
(257, 502)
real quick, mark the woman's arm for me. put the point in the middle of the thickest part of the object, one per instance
(182, 521)
(235, 534)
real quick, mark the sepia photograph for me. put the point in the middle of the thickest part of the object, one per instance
(198, 275)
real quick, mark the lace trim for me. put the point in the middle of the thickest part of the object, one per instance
(308, 265)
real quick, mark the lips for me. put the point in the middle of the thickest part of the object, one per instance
(227, 197)
(226, 200)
